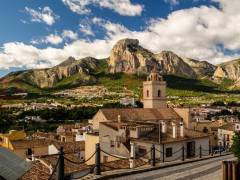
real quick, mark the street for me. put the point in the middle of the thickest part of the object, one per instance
(206, 169)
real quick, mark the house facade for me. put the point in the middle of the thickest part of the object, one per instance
(226, 133)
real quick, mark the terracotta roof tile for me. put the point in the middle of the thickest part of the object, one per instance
(68, 166)
(228, 126)
(141, 114)
(19, 144)
(121, 164)
(70, 147)
(38, 171)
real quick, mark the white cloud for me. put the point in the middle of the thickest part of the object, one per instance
(172, 2)
(196, 32)
(69, 35)
(53, 39)
(86, 29)
(78, 6)
(44, 15)
(56, 38)
(122, 7)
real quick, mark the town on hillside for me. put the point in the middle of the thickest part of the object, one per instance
(120, 140)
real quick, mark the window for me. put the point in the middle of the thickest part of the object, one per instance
(29, 151)
(118, 144)
(63, 139)
(147, 93)
(168, 152)
(205, 130)
(159, 93)
(112, 143)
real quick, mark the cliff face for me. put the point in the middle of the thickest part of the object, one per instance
(129, 57)
(170, 63)
(229, 70)
(201, 68)
(46, 78)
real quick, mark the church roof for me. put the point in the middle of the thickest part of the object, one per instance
(141, 114)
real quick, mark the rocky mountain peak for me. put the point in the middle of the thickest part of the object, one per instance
(68, 61)
(229, 70)
(167, 55)
(171, 63)
(123, 44)
(201, 68)
(129, 57)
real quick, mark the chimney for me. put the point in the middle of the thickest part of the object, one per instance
(164, 127)
(119, 118)
(33, 157)
(174, 130)
(181, 129)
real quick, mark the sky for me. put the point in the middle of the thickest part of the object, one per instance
(43, 33)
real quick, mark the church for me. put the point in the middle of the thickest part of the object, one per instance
(126, 131)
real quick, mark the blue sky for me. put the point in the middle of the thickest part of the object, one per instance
(42, 33)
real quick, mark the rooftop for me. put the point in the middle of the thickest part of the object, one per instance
(69, 167)
(228, 126)
(141, 114)
(167, 137)
(38, 171)
(22, 144)
(70, 147)
(153, 136)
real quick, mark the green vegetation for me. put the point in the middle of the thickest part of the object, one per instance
(235, 148)
(14, 118)
(180, 90)
(120, 81)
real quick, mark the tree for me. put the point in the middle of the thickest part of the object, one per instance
(218, 103)
(235, 148)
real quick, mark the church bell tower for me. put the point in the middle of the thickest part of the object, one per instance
(154, 91)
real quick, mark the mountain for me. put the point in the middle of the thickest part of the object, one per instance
(229, 70)
(201, 68)
(170, 63)
(48, 78)
(127, 57)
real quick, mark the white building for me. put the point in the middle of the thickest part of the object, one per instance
(226, 133)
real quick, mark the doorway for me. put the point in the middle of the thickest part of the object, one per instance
(190, 149)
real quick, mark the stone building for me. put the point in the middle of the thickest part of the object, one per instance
(210, 127)
(154, 91)
(17, 142)
(226, 133)
(122, 132)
